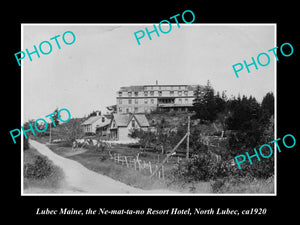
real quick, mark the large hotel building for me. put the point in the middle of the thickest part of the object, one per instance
(144, 99)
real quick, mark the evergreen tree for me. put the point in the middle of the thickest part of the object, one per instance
(205, 104)
(55, 118)
(267, 108)
(243, 121)
(268, 103)
(94, 113)
(197, 101)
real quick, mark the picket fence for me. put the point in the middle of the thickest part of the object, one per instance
(138, 164)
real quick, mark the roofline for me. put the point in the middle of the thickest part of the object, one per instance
(130, 118)
(147, 85)
(133, 115)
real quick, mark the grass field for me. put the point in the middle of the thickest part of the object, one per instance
(99, 162)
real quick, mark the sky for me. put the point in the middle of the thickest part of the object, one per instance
(87, 74)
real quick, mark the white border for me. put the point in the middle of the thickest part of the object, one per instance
(151, 194)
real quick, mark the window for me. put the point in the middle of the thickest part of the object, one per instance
(152, 93)
(129, 101)
(120, 109)
(120, 93)
(136, 93)
(120, 101)
(146, 93)
(186, 100)
(133, 123)
(103, 119)
(152, 100)
(136, 101)
(160, 93)
(185, 93)
(136, 109)
(127, 110)
(146, 101)
(180, 101)
(129, 93)
(171, 93)
(180, 93)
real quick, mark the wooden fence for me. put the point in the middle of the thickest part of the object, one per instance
(138, 164)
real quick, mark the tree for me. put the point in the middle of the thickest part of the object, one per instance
(71, 130)
(55, 118)
(267, 108)
(268, 103)
(197, 95)
(26, 127)
(94, 113)
(220, 103)
(205, 104)
(243, 121)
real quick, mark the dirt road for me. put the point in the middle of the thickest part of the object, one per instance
(79, 178)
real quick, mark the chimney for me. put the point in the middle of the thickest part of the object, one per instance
(156, 82)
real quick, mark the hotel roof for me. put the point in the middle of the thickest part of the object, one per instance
(143, 87)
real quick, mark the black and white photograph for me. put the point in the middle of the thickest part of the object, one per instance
(144, 113)
(168, 109)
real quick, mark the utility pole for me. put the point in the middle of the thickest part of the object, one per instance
(188, 139)
(50, 134)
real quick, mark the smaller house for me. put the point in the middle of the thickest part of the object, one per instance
(122, 124)
(97, 124)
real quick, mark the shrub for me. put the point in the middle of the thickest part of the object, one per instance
(25, 143)
(246, 184)
(198, 168)
(39, 170)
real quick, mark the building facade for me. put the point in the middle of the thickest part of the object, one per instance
(96, 124)
(122, 124)
(144, 99)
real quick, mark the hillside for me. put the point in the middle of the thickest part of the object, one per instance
(209, 134)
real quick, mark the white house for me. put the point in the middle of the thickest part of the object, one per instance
(96, 124)
(122, 124)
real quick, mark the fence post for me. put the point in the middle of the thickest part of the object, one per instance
(170, 153)
(126, 162)
(163, 172)
(150, 167)
(188, 140)
(134, 161)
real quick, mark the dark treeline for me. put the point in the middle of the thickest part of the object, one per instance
(246, 122)
(249, 123)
